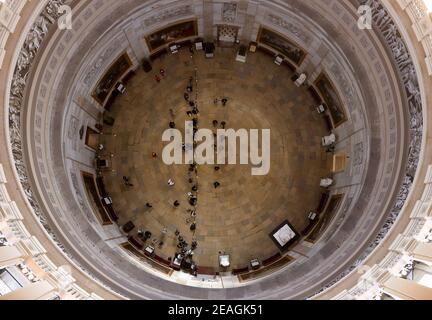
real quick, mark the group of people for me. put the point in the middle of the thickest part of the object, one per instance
(126, 181)
(224, 101)
(185, 250)
(160, 76)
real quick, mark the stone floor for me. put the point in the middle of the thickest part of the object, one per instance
(238, 216)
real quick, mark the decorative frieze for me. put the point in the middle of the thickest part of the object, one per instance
(229, 12)
(28, 52)
(290, 26)
(387, 27)
(101, 61)
(168, 14)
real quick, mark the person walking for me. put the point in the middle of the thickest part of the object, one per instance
(127, 182)
(172, 113)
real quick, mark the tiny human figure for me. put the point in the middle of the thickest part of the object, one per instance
(172, 125)
(224, 101)
(127, 182)
(157, 78)
(186, 96)
(216, 185)
(162, 72)
(223, 124)
(164, 230)
(215, 123)
(195, 188)
(148, 205)
(171, 182)
(176, 203)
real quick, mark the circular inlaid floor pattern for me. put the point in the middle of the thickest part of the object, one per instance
(238, 216)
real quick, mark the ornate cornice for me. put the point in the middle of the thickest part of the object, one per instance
(33, 41)
(392, 37)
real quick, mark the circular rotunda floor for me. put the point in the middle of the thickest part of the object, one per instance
(237, 217)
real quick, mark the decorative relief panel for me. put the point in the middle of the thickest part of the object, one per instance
(358, 154)
(295, 29)
(229, 12)
(101, 62)
(168, 14)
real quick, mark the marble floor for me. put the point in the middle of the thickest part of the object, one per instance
(238, 216)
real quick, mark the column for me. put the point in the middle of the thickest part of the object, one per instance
(137, 44)
(423, 253)
(406, 289)
(208, 19)
(42, 290)
(8, 21)
(13, 255)
(10, 256)
(250, 11)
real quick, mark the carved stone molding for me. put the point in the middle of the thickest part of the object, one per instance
(384, 23)
(169, 14)
(229, 12)
(293, 28)
(32, 43)
(101, 62)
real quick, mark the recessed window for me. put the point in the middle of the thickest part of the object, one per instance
(92, 138)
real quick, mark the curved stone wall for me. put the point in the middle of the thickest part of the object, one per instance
(335, 62)
(413, 227)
